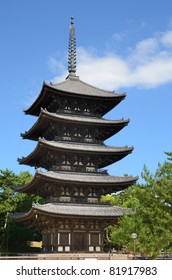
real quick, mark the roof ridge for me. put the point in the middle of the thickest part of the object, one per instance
(74, 84)
(95, 87)
(43, 173)
(61, 114)
(49, 142)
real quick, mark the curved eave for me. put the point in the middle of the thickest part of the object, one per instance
(60, 210)
(45, 117)
(36, 106)
(43, 146)
(49, 90)
(40, 178)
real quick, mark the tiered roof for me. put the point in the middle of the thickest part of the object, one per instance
(108, 127)
(107, 154)
(42, 178)
(73, 210)
(73, 88)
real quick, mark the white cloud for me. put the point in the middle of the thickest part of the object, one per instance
(118, 36)
(167, 39)
(56, 62)
(148, 64)
(144, 50)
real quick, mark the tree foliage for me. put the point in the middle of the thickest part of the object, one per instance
(150, 204)
(14, 236)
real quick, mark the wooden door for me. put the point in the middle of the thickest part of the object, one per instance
(80, 241)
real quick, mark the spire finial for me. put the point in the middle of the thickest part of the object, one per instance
(72, 49)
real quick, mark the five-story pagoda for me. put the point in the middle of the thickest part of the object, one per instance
(70, 132)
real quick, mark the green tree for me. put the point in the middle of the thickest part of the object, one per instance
(150, 212)
(14, 236)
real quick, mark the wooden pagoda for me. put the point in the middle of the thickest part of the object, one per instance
(70, 132)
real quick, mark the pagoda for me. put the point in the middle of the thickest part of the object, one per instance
(69, 158)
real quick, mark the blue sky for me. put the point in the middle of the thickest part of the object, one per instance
(122, 45)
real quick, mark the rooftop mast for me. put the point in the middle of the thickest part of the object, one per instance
(72, 50)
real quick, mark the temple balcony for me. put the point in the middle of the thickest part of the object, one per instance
(77, 139)
(74, 112)
(74, 199)
(76, 168)
(103, 171)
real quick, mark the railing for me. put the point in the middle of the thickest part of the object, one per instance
(103, 171)
(78, 139)
(80, 169)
